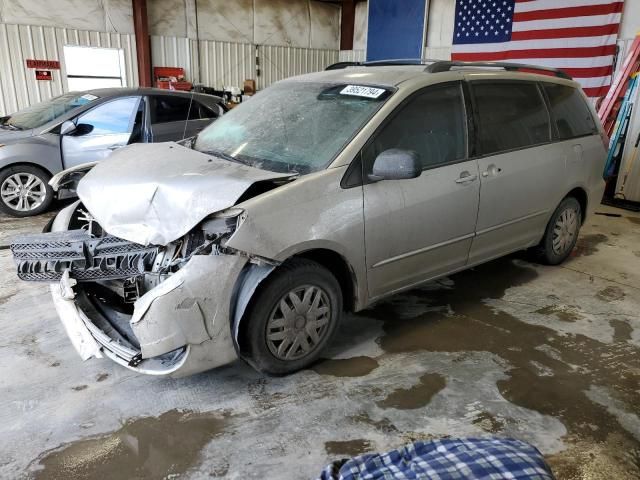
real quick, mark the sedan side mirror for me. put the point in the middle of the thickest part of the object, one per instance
(396, 164)
(67, 127)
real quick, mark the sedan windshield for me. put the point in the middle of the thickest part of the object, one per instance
(293, 127)
(38, 115)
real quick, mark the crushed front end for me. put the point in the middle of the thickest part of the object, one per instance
(162, 310)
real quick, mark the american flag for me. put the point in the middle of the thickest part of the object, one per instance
(578, 36)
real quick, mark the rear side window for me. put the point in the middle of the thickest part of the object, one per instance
(432, 124)
(570, 113)
(510, 116)
(165, 108)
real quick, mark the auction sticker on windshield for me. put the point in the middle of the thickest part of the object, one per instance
(362, 91)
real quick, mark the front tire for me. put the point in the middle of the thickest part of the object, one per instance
(292, 318)
(562, 232)
(24, 191)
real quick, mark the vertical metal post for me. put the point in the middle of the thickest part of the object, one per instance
(143, 42)
(347, 24)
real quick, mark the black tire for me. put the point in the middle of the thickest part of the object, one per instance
(23, 171)
(545, 252)
(258, 350)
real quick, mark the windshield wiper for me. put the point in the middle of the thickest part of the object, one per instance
(225, 156)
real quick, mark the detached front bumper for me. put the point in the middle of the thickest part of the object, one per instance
(181, 326)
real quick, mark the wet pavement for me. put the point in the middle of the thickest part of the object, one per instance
(549, 355)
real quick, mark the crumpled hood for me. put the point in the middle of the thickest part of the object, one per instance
(156, 193)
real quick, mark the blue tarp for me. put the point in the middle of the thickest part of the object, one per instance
(447, 459)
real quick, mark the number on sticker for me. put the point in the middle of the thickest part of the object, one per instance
(362, 91)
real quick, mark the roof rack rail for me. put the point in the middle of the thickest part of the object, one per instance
(381, 63)
(446, 65)
(341, 65)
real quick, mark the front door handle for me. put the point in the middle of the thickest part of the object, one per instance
(115, 147)
(466, 177)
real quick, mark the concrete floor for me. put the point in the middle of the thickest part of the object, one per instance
(550, 355)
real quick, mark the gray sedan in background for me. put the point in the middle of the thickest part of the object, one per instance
(80, 127)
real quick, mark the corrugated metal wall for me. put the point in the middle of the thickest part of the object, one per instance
(225, 64)
(277, 63)
(352, 56)
(18, 85)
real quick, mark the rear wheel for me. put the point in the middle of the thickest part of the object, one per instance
(292, 318)
(24, 191)
(562, 232)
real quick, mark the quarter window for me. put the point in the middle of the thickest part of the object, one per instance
(570, 113)
(432, 124)
(510, 116)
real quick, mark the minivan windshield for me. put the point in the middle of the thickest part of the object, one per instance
(296, 127)
(41, 113)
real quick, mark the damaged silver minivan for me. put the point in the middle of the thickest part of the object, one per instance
(322, 194)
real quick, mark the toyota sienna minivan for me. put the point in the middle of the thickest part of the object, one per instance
(322, 194)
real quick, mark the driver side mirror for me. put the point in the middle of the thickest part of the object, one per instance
(67, 127)
(396, 164)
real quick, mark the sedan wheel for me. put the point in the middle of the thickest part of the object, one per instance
(24, 191)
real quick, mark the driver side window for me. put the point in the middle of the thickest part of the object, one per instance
(431, 123)
(110, 118)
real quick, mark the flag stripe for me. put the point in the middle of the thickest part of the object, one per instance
(549, 4)
(590, 71)
(584, 11)
(537, 53)
(568, 22)
(611, 29)
(578, 42)
(596, 91)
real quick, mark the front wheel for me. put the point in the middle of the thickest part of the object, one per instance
(292, 318)
(24, 191)
(562, 232)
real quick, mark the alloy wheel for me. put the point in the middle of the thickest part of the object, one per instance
(23, 192)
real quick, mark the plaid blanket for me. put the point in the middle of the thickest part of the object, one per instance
(447, 459)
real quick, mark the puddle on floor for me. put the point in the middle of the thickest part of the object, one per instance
(144, 448)
(564, 313)
(588, 244)
(346, 367)
(489, 423)
(554, 385)
(350, 448)
(621, 330)
(416, 396)
(610, 294)
(384, 425)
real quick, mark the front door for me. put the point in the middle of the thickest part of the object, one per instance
(521, 171)
(422, 227)
(100, 131)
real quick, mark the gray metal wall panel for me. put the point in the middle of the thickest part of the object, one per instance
(18, 86)
(227, 64)
(352, 56)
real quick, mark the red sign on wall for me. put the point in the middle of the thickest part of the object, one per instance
(48, 64)
(43, 75)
